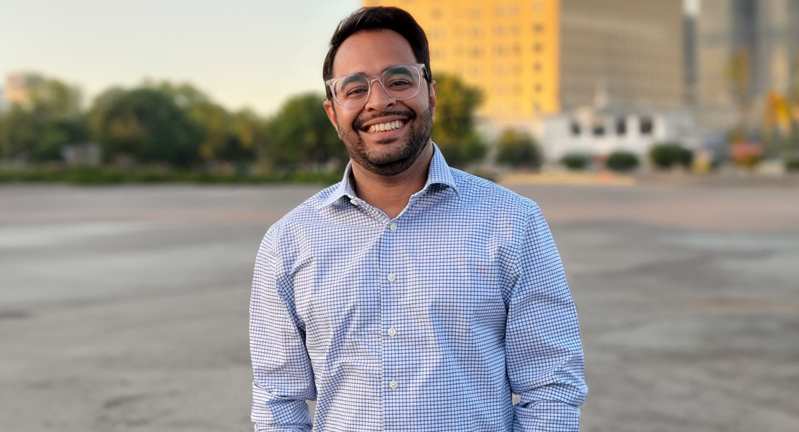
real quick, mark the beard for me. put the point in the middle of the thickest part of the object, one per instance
(398, 159)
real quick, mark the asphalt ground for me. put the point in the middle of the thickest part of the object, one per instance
(125, 308)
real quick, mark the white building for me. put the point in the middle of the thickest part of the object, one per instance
(599, 132)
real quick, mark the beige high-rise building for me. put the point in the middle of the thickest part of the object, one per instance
(538, 57)
(19, 86)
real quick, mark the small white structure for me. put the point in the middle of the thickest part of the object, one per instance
(599, 132)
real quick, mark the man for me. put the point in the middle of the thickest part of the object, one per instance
(410, 296)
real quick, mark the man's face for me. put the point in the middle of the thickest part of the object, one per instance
(389, 152)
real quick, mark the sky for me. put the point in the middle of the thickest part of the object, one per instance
(243, 53)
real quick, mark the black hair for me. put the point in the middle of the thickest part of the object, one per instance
(379, 18)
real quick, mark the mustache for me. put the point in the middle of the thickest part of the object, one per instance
(359, 122)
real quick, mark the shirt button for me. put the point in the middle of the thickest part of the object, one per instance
(392, 332)
(391, 277)
(393, 384)
(393, 227)
(354, 202)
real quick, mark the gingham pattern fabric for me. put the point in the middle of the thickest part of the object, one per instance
(424, 322)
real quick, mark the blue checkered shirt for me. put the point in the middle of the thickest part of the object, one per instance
(425, 322)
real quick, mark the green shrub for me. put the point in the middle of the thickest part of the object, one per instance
(791, 162)
(667, 155)
(622, 161)
(99, 176)
(576, 161)
(518, 149)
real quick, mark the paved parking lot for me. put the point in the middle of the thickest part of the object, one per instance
(125, 308)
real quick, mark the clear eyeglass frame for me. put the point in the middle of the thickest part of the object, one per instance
(331, 84)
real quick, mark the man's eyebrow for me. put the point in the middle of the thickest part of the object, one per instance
(352, 77)
(399, 70)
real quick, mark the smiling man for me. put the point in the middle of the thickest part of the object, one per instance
(410, 296)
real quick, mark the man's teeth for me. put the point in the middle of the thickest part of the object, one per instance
(382, 127)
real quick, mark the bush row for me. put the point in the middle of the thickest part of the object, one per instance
(101, 176)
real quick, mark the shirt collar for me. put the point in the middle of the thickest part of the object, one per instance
(439, 173)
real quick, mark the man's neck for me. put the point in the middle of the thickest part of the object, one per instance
(392, 193)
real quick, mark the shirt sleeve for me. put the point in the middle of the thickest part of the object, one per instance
(283, 377)
(544, 354)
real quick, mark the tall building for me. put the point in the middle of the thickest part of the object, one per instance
(763, 36)
(690, 57)
(19, 86)
(537, 57)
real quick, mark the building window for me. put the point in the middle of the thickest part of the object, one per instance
(621, 126)
(575, 127)
(436, 14)
(646, 126)
(476, 31)
(598, 127)
(538, 47)
(538, 88)
(537, 67)
(538, 27)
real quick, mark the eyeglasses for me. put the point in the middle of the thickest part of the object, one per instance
(400, 82)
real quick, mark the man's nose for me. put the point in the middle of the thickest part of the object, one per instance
(378, 98)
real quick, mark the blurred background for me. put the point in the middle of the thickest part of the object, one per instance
(146, 147)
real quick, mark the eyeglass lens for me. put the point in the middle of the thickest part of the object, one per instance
(400, 82)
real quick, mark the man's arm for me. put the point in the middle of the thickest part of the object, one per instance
(283, 378)
(544, 354)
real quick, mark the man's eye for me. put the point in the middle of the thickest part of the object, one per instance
(399, 83)
(356, 92)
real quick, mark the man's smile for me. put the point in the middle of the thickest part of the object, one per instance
(387, 126)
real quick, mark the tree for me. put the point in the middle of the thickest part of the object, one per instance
(229, 137)
(454, 125)
(56, 98)
(184, 94)
(518, 149)
(300, 136)
(146, 124)
(19, 133)
(38, 130)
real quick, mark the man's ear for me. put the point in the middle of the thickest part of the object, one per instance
(433, 89)
(331, 115)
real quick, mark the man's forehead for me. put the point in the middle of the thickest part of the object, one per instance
(371, 52)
